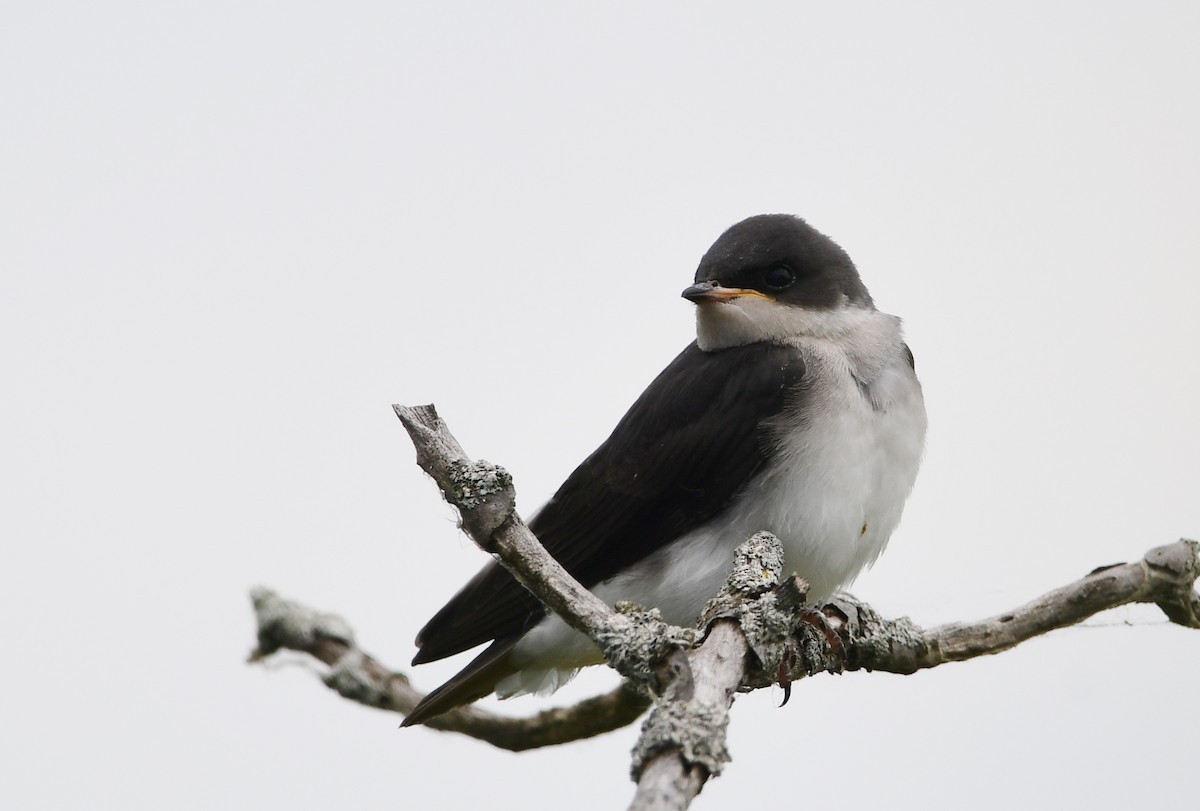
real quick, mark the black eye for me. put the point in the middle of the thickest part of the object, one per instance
(779, 277)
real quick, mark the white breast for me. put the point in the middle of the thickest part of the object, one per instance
(846, 461)
(837, 488)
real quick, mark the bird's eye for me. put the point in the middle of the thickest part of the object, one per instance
(779, 277)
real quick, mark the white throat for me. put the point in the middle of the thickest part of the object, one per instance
(868, 337)
(750, 319)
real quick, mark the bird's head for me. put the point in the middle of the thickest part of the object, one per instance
(770, 278)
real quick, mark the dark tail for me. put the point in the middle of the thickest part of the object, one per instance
(473, 682)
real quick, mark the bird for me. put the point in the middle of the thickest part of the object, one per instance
(796, 410)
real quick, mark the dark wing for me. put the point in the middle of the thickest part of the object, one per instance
(688, 445)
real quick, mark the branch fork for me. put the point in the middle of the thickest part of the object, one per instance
(686, 731)
(757, 631)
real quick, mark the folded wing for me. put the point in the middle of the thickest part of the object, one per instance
(690, 443)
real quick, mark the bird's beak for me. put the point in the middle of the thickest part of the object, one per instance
(705, 292)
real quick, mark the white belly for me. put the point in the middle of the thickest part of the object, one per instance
(842, 471)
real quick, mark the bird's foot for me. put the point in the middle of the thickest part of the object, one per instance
(805, 649)
(820, 623)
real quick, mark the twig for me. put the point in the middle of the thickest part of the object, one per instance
(483, 493)
(1166, 577)
(358, 676)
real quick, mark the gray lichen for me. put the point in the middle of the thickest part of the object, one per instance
(638, 640)
(484, 495)
(765, 609)
(757, 565)
(350, 679)
(698, 732)
(899, 642)
(476, 481)
(286, 624)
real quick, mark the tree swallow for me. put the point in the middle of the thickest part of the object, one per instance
(796, 410)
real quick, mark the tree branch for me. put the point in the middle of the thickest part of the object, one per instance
(869, 642)
(631, 641)
(1166, 577)
(484, 496)
(358, 676)
(683, 740)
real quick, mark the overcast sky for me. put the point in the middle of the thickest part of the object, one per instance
(232, 234)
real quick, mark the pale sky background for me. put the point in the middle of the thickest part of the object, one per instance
(232, 234)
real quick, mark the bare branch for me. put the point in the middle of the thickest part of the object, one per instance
(484, 496)
(485, 499)
(683, 741)
(1166, 577)
(358, 676)
(757, 612)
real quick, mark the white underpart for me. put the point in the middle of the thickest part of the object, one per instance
(833, 494)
